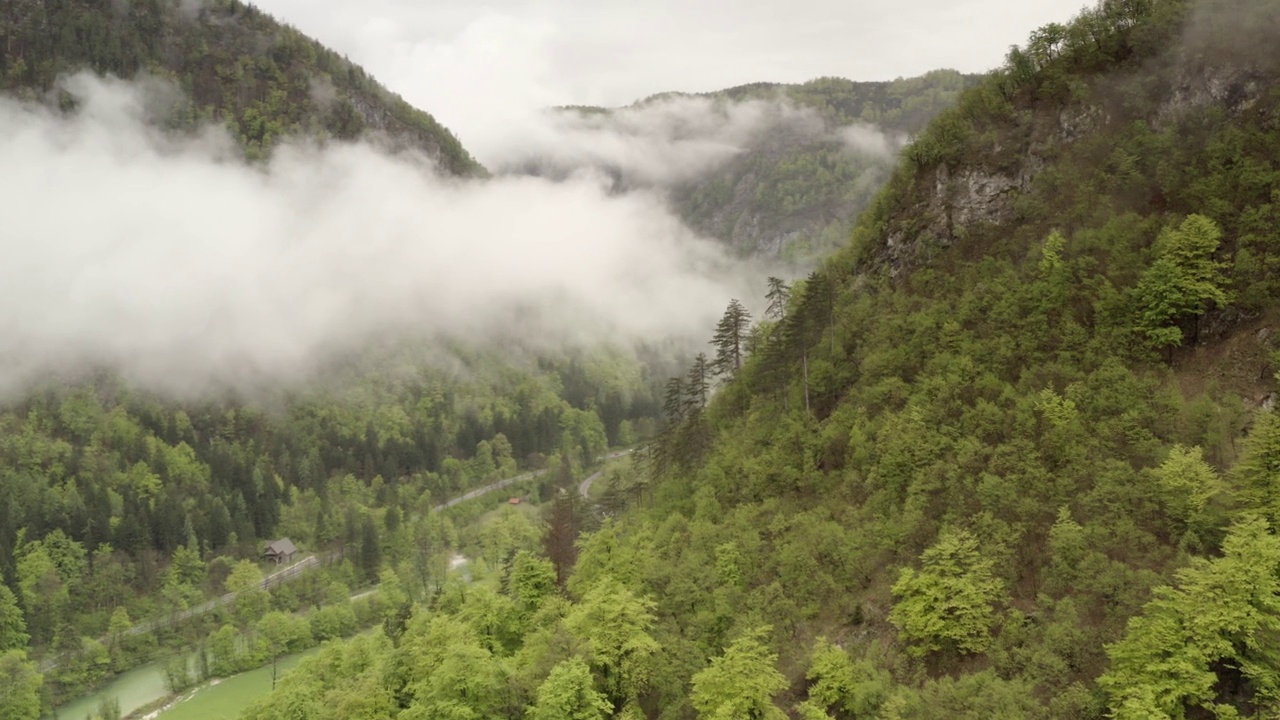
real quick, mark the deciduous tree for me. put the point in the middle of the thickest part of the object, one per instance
(19, 686)
(569, 693)
(614, 625)
(740, 683)
(949, 603)
(13, 628)
(1183, 282)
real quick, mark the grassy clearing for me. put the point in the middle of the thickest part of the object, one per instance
(225, 699)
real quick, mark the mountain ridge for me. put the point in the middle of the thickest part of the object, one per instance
(793, 186)
(235, 64)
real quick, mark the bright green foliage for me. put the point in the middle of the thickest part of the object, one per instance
(332, 621)
(466, 684)
(284, 633)
(294, 700)
(83, 662)
(448, 670)
(533, 579)
(335, 683)
(741, 683)
(120, 641)
(1184, 280)
(949, 603)
(13, 628)
(1187, 485)
(605, 555)
(568, 693)
(840, 685)
(223, 645)
(186, 568)
(251, 603)
(509, 533)
(1224, 613)
(614, 625)
(19, 687)
(44, 590)
(1051, 254)
(1258, 473)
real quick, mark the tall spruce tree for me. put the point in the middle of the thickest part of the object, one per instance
(729, 340)
(666, 444)
(673, 401)
(778, 295)
(697, 384)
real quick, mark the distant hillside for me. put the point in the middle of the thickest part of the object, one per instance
(237, 66)
(793, 187)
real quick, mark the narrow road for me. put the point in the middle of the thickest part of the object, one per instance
(584, 487)
(488, 489)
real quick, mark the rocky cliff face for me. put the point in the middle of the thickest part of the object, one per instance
(986, 185)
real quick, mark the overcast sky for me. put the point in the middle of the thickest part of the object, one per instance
(480, 66)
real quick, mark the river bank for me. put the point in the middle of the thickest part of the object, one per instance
(143, 695)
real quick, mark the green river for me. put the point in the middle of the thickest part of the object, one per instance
(220, 699)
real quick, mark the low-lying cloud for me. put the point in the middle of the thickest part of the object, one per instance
(870, 140)
(662, 142)
(186, 269)
(673, 140)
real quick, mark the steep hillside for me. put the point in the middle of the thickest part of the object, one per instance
(797, 163)
(235, 65)
(1010, 454)
(1034, 390)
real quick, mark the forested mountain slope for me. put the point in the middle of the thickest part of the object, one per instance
(1010, 454)
(793, 185)
(235, 65)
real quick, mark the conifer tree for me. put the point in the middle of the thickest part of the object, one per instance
(697, 385)
(778, 295)
(673, 402)
(729, 339)
(563, 525)
(370, 549)
(665, 445)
